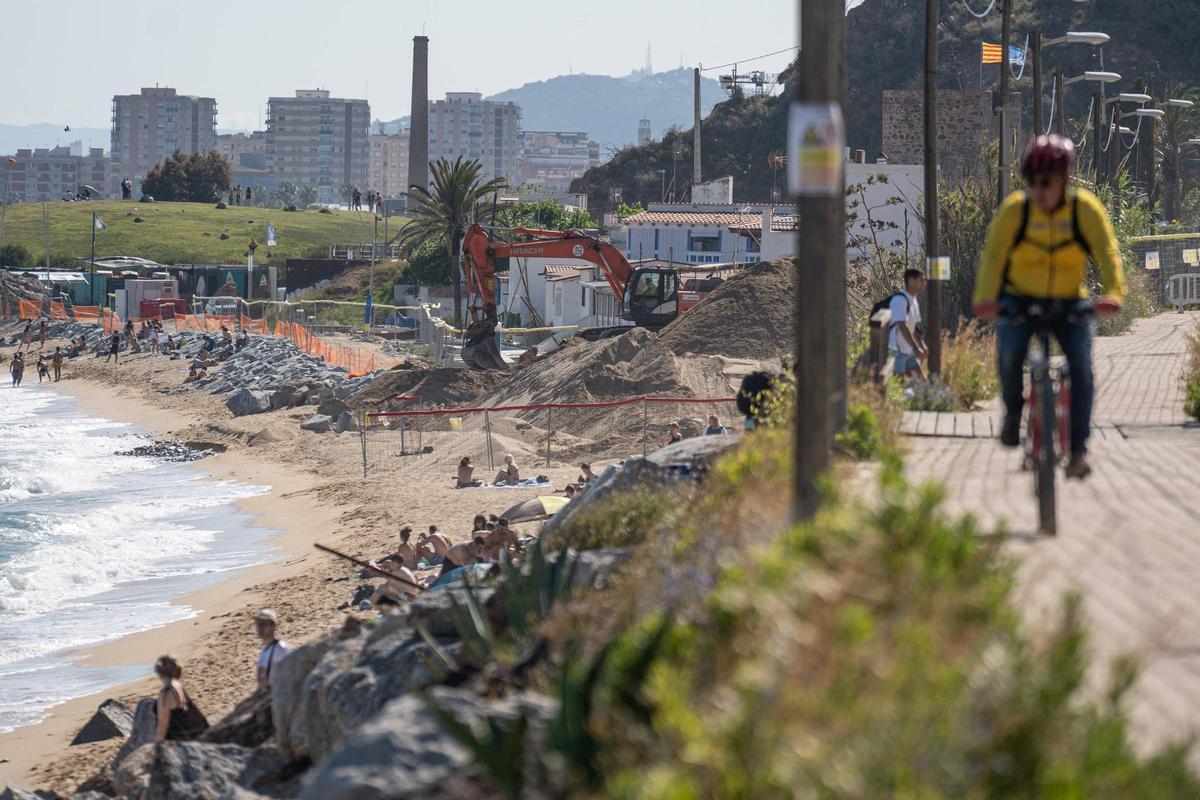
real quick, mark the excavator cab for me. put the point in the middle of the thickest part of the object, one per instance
(651, 297)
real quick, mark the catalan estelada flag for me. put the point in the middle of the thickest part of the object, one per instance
(992, 54)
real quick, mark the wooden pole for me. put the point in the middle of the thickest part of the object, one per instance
(1097, 153)
(822, 253)
(1002, 182)
(1060, 103)
(696, 126)
(931, 187)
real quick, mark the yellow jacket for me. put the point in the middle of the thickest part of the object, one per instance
(1048, 262)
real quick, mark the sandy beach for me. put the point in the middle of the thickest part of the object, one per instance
(317, 493)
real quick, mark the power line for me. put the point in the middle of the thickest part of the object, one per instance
(986, 11)
(748, 60)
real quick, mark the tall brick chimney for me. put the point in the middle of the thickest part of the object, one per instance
(418, 143)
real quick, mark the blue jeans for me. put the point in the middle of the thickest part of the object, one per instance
(1074, 333)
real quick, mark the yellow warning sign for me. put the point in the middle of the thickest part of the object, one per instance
(816, 150)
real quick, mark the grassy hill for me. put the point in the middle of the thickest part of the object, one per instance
(179, 233)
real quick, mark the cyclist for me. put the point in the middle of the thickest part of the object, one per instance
(1037, 251)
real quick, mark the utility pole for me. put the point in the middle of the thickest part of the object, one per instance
(1146, 152)
(1035, 44)
(821, 243)
(1060, 103)
(1097, 153)
(696, 126)
(934, 283)
(1005, 73)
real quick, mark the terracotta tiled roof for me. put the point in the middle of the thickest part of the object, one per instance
(562, 272)
(724, 218)
(778, 224)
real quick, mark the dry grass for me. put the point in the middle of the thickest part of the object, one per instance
(969, 364)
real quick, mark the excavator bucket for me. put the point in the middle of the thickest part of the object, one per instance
(479, 351)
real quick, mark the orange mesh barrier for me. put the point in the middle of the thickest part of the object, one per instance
(57, 310)
(86, 313)
(30, 309)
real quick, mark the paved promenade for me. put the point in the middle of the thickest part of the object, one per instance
(1129, 537)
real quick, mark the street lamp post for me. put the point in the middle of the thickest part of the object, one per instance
(1037, 45)
(1098, 78)
(1111, 159)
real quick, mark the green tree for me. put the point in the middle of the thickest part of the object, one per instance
(198, 178)
(15, 255)
(429, 264)
(547, 215)
(285, 194)
(306, 196)
(1179, 125)
(446, 211)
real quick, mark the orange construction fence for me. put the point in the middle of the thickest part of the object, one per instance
(30, 310)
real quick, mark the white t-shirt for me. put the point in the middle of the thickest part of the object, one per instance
(272, 654)
(906, 311)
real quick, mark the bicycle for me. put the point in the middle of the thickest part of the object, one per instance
(1047, 407)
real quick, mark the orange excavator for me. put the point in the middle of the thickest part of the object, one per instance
(650, 296)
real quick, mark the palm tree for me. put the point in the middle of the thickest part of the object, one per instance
(446, 211)
(1180, 124)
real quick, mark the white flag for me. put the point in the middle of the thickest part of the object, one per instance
(99, 223)
(270, 235)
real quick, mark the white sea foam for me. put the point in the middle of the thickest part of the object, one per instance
(93, 545)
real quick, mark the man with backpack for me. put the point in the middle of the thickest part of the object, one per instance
(905, 344)
(1037, 251)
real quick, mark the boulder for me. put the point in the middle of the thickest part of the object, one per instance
(145, 719)
(249, 401)
(15, 792)
(282, 398)
(345, 421)
(249, 724)
(405, 752)
(299, 396)
(333, 407)
(131, 771)
(182, 770)
(112, 719)
(287, 681)
(317, 423)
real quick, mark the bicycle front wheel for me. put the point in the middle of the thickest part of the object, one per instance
(1045, 457)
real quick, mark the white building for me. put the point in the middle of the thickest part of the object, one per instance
(550, 160)
(687, 233)
(464, 124)
(387, 171)
(317, 140)
(147, 128)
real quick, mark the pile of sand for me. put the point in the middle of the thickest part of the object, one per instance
(751, 315)
(440, 386)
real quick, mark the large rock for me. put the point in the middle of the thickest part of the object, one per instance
(317, 423)
(131, 772)
(287, 682)
(248, 401)
(248, 725)
(405, 752)
(332, 407)
(181, 770)
(15, 792)
(358, 677)
(145, 720)
(112, 719)
(345, 422)
(282, 397)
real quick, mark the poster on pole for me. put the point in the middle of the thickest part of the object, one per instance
(1152, 259)
(816, 154)
(937, 268)
(1191, 257)
(270, 235)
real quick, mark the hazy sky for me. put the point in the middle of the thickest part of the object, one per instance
(68, 58)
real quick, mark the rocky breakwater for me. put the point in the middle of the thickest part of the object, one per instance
(359, 712)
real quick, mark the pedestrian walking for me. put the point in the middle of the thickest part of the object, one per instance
(56, 361)
(17, 369)
(114, 348)
(41, 334)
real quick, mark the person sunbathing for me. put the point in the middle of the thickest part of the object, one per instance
(466, 474)
(433, 546)
(508, 474)
(502, 538)
(405, 549)
(403, 583)
(463, 554)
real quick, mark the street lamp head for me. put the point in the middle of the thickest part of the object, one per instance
(1126, 131)
(1153, 113)
(1176, 103)
(1101, 77)
(1193, 141)
(1087, 37)
(1133, 97)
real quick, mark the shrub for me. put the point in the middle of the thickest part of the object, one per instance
(969, 364)
(621, 522)
(933, 395)
(1191, 376)
(16, 255)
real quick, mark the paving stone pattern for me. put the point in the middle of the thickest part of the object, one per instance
(1129, 537)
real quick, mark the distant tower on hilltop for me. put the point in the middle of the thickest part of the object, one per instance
(649, 63)
(644, 134)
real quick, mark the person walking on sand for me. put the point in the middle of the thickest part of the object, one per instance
(41, 334)
(273, 649)
(43, 369)
(56, 361)
(26, 337)
(178, 717)
(114, 348)
(17, 368)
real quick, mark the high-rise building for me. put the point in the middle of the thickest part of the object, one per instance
(644, 135)
(550, 160)
(464, 124)
(244, 149)
(148, 127)
(317, 140)
(387, 172)
(56, 174)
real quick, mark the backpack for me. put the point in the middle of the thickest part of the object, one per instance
(1023, 228)
(886, 303)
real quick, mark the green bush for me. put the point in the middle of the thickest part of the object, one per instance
(622, 522)
(969, 364)
(1191, 403)
(862, 435)
(15, 255)
(932, 395)
(1191, 376)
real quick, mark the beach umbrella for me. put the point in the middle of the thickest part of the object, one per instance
(539, 507)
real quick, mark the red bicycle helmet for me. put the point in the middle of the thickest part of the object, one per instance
(1052, 154)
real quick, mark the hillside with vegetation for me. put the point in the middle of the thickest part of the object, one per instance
(177, 233)
(737, 139)
(1152, 45)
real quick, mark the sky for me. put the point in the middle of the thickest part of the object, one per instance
(77, 55)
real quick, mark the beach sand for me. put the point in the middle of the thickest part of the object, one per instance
(317, 493)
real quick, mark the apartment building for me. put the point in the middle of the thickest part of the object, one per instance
(387, 171)
(148, 127)
(464, 124)
(247, 150)
(550, 160)
(317, 140)
(56, 174)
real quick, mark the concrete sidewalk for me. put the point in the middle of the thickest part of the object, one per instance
(1129, 536)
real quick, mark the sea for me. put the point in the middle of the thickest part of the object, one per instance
(94, 546)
